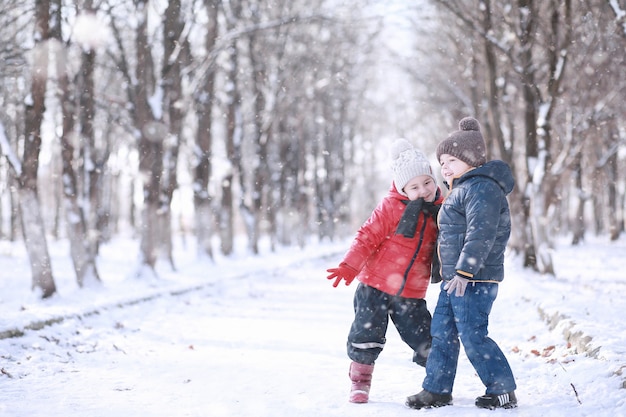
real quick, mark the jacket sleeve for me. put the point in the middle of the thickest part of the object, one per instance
(482, 211)
(376, 229)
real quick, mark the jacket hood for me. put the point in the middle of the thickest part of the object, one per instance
(498, 171)
(394, 193)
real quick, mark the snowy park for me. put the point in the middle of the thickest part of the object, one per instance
(177, 176)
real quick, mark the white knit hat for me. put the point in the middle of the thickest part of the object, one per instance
(407, 163)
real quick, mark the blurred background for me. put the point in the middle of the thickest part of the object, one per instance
(272, 120)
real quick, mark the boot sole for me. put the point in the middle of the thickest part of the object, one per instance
(507, 406)
(359, 397)
(427, 406)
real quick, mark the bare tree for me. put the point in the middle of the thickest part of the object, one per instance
(81, 246)
(263, 95)
(595, 117)
(32, 221)
(204, 98)
(15, 30)
(233, 136)
(175, 47)
(141, 86)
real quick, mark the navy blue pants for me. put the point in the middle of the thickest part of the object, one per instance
(372, 311)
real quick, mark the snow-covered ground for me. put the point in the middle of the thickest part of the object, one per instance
(265, 336)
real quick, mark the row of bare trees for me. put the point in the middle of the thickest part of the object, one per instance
(245, 100)
(270, 118)
(547, 80)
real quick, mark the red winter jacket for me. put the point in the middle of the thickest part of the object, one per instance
(391, 262)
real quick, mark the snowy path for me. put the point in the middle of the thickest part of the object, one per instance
(272, 344)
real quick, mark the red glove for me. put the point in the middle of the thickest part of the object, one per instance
(344, 271)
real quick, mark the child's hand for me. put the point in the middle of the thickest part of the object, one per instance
(457, 283)
(344, 271)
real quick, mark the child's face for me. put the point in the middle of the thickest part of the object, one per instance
(422, 186)
(452, 167)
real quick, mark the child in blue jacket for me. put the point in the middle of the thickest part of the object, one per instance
(474, 228)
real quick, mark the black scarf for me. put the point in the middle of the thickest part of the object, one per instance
(408, 222)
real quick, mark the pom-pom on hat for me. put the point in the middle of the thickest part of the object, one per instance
(467, 143)
(407, 163)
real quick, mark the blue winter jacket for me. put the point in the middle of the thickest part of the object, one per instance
(475, 224)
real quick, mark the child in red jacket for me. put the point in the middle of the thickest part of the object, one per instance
(391, 256)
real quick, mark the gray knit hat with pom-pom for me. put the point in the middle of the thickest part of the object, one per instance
(407, 163)
(467, 143)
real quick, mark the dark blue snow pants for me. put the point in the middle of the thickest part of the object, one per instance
(372, 311)
(464, 320)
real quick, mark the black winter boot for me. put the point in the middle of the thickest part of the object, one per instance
(492, 401)
(426, 399)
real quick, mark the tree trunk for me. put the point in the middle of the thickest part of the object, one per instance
(537, 253)
(32, 221)
(36, 244)
(83, 257)
(578, 222)
(612, 174)
(91, 163)
(204, 228)
(493, 117)
(152, 134)
(15, 207)
(174, 46)
(234, 136)
(204, 141)
(261, 139)
(226, 221)
(148, 246)
(151, 165)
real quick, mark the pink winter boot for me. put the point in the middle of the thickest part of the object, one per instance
(361, 377)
